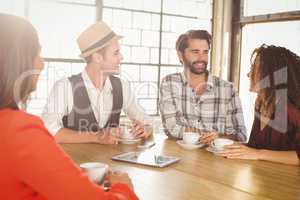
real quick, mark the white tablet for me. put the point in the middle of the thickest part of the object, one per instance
(146, 158)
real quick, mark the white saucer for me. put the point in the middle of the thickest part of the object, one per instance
(212, 150)
(129, 141)
(189, 146)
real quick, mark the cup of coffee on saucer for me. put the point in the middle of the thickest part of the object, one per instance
(95, 171)
(190, 138)
(219, 143)
(126, 136)
(126, 133)
(190, 141)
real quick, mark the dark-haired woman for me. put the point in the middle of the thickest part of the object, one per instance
(275, 135)
(32, 165)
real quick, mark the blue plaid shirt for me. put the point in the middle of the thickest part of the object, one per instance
(217, 109)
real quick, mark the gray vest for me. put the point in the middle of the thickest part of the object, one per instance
(82, 117)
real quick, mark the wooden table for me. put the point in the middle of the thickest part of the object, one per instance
(199, 175)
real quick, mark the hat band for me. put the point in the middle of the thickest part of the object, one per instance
(100, 42)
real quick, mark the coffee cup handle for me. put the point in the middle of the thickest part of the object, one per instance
(104, 176)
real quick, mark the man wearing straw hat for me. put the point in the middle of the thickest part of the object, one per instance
(86, 107)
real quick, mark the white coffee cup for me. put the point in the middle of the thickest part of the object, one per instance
(219, 143)
(125, 131)
(95, 170)
(190, 137)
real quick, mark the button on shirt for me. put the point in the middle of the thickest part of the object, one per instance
(60, 103)
(217, 109)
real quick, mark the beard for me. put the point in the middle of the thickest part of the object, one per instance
(196, 67)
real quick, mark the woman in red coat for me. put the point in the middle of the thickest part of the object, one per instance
(32, 165)
(275, 135)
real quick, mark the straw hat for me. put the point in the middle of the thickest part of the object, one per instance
(95, 38)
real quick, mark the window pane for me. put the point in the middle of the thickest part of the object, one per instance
(255, 35)
(130, 73)
(169, 56)
(153, 90)
(181, 24)
(153, 5)
(164, 56)
(133, 4)
(107, 15)
(141, 20)
(155, 22)
(87, 2)
(140, 31)
(154, 55)
(58, 32)
(149, 105)
(113, 3)
(258, 7)
(172, 28)
(164, 71)
(132, 37)
(149, 73)
(195, 8)
(141, 54)
(53, 72)
(173, 58)
(146, 95)
(145, 90)
(169, 40)
(150, 38)
(15, 7)
(121, 18)
(126, 52)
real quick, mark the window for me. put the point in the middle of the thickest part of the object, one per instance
(58, 32)
(150, 29)
(258, 7)
(16, 7)
(149, 39)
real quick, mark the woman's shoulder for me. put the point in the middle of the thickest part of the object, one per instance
(18, 126)
(18, 118)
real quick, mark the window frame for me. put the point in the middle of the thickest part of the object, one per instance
(238, 23)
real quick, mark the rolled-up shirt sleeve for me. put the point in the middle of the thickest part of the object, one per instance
(172, 118)
(235, 124)
(58, 102)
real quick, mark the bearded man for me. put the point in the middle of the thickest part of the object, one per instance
(196, 101)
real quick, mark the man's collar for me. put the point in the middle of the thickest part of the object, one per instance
(89, 84)
(209, 81)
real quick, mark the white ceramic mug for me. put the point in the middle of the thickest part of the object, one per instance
(95, 170)
(190, 137)
(219, 143)
(125, 131)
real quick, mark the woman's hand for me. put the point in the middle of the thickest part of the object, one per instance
(240, 151)
(208, 137)
(119, 177)
(140, 130)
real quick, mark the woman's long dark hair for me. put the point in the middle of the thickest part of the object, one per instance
(274, 59)
(18, 47)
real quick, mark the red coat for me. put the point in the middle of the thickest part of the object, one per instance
(33, 166)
